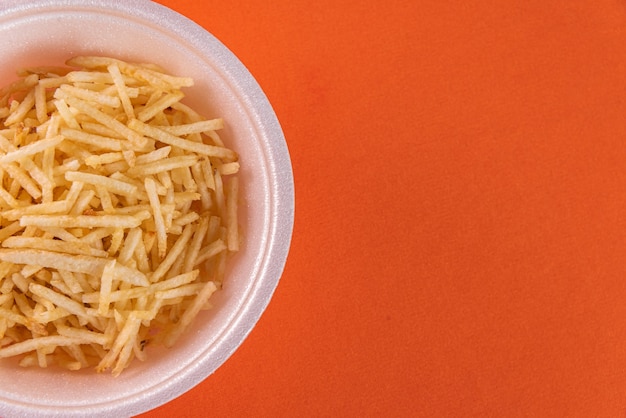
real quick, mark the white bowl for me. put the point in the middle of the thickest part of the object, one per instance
(50, 31)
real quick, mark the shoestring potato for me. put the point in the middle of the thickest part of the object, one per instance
(118, 213)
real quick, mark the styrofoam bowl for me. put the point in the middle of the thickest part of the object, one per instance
(47, 32)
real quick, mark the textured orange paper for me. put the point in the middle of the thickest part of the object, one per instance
(460, 237)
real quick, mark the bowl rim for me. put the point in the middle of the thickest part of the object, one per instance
(281, 199)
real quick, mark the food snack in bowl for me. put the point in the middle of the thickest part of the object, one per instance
(46, 32)
(118, 211)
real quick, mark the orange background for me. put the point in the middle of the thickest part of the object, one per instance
(460, 238)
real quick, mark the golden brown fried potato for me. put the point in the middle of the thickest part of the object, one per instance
(118, 209)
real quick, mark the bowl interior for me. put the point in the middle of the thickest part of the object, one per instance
(49, 32)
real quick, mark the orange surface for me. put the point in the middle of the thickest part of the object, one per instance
(460, 237)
